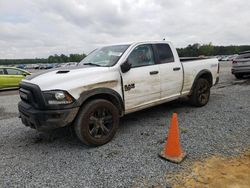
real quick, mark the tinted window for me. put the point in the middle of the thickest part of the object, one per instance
(1, 71)
(141, 56)
(165, 53)
(13, 72)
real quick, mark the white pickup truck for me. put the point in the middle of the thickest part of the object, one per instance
(110, 82)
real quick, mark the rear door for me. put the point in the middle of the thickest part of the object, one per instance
(142, 82)
(171, 73)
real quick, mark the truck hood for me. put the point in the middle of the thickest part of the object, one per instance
(74, 80)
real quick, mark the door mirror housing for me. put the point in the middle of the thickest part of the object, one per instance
(125, 67)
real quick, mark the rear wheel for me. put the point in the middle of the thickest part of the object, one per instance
(239, 76)
(97, 122)
(201, 93)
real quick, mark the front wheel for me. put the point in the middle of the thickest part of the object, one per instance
(97, 122)
(201, 93)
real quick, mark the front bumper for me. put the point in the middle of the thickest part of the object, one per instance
(44, 120)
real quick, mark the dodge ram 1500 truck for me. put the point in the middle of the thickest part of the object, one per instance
(110, 82)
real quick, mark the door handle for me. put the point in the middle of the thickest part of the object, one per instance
(176, 68)
(153, 72)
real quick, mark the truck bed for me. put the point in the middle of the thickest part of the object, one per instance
(192, 69)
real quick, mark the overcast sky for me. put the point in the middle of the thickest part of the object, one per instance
(39, 28)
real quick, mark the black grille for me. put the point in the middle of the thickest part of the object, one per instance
(25, 95)
(31, 94)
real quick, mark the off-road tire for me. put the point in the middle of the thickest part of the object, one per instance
(200, 93)
(83, 123)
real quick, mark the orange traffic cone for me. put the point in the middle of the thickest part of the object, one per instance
(172, 150)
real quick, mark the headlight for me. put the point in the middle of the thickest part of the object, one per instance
(58, 97)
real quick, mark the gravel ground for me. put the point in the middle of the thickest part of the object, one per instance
(32, 159)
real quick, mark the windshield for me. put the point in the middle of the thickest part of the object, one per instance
(105, 56)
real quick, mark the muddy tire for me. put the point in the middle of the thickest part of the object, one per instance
(239, 76)
(201, 93)
(97, 122)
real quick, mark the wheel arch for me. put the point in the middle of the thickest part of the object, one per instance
(206, 74)
(103, 93)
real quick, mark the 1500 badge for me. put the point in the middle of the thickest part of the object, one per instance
(129, 87)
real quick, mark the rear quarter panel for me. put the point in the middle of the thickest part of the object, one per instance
(17, 79)
(192, 69)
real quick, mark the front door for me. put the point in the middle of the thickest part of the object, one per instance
(141, 84)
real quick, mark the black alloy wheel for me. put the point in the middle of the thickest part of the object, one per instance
(100, 123)
(97, 122)
(201, 93)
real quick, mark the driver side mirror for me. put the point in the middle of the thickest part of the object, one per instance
(125, 67)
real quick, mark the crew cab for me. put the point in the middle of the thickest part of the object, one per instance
(111, 82)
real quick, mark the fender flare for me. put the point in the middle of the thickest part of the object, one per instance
(203, 74)
(103, 93)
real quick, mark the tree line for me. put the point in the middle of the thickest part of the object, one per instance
(195, 50)
(192, 50)
(51, 59)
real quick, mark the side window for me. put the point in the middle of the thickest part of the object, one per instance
(13, 72)
(141, 56)
(1, 71)
(165, 53)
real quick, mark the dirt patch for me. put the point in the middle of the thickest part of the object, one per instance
(219, 172)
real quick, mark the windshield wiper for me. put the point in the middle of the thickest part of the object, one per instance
(92, 64)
